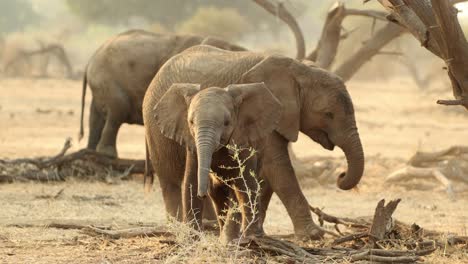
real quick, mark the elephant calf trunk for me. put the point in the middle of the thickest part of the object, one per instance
(355, 159)
(205, 143)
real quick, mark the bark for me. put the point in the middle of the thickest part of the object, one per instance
(282, 13)
(434, 23)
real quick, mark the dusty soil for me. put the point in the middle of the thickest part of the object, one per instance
(36, 115)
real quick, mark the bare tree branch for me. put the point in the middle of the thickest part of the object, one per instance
(370, 48)
(326, 50)
(434, 23)
(281, 12)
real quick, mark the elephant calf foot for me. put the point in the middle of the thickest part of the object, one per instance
(107, 150)
(311, 232)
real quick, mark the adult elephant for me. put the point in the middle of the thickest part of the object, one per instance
(314, 101)
(119, 73)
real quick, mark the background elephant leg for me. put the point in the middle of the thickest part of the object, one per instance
(96, 124)
(266, 193)
(283, 181)
(117, 114)
(191, 204)
(107, 144)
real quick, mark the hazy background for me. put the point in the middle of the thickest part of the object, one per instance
(81, 26)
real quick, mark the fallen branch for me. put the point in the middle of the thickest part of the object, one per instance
(367, 255)
(84, 162)
(126, 233)
(411, 172)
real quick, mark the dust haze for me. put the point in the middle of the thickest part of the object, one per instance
(45, 46)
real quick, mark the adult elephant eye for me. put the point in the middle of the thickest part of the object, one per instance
(329, 115)
(227, 123)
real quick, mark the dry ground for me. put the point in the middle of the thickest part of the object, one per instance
(394, 118)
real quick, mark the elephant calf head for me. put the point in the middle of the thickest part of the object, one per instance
(205, 120)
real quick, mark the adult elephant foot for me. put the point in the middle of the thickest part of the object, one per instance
(107, 150)
(309, 232)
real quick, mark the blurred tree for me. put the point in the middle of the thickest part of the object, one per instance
(15, 15)
(225, 23)
(169, 13)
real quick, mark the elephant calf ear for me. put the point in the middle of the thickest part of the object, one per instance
(259, 112)
(171, 113)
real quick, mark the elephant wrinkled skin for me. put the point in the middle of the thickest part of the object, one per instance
(118, 75)
(314, 101)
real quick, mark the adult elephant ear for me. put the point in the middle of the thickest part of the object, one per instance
(171, 113)
(258, 112)
(275, 71)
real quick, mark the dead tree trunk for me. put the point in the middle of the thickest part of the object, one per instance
(282, 13)
(434, 23)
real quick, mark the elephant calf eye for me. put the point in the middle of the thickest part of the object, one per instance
(226, 123)
(329, 115)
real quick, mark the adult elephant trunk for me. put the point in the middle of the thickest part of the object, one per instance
(205, 142)
(354, 153)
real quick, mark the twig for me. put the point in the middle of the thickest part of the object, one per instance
(350, 238)
(126, 233)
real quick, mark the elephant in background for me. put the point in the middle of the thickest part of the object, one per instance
(314, 101)
(203, 122)
(118, 75)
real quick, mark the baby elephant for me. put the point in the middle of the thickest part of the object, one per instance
(202, 123)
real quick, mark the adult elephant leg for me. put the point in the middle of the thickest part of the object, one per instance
(107, 144)
(117, 113)
(191, 204)
(280, 174)
(168, 161)
(96, 125)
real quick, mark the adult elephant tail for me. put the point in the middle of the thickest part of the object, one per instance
(83, 96)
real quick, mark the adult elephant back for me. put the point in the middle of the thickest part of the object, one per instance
(118, 75)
